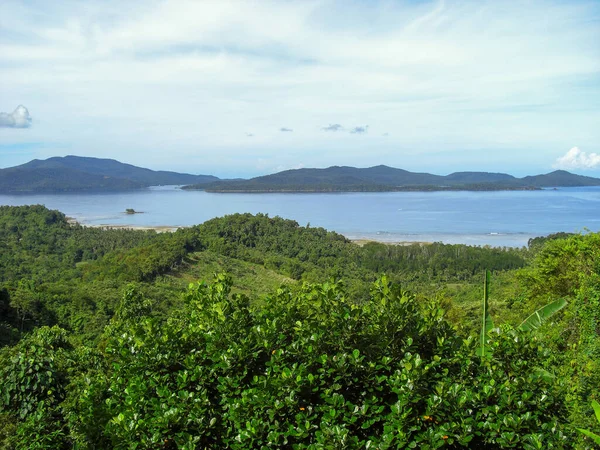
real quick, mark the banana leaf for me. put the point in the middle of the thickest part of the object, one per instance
(487, 324)
(593, 436)
(534, 321)
(588, 433)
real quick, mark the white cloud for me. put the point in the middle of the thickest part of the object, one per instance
(19, 118)
(577, 159)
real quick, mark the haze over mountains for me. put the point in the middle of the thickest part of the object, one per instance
(83, 174)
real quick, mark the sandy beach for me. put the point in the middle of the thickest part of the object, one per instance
(158, 229)
(362, 242)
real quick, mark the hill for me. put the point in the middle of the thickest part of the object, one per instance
(560, 178)
(76, 173)
(81, 174)
(384, 178)
(34, 180)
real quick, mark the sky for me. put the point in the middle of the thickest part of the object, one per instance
(245, 88)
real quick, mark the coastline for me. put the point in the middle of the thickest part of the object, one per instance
(363, 241)
(357, 240)
(158, 228)
(170, 229)
(108, 226)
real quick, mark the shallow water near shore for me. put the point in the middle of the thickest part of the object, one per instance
(500, 218)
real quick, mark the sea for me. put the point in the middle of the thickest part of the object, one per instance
(498, 219)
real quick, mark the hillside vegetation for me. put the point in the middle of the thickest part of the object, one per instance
(299, 339)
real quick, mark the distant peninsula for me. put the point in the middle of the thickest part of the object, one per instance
(78, 174)
(388, 179)
(85, 174)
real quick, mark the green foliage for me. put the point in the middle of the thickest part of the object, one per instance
(569, 268)
(314, 370)
(29, 371)
(531, 323)
(53, 272)
(40, 244)
(593, 436)
(43, 259)
(537, 243)
(561, 265)
(33, 378)
(316, 363)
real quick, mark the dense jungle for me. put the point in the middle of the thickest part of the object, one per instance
(250, 331)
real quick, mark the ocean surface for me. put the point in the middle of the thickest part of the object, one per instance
(503, 218)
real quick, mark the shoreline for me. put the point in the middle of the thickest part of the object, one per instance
(158, 228)
(426, 239)
(363, 241)
(108, 226)
(172, 228)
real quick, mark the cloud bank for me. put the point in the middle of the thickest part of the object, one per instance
(448, 77)
(577, 159)
(19, 118)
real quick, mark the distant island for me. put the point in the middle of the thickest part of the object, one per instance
(388, 179)
(86, 174)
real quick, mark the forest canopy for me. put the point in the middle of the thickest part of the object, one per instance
(299, 339)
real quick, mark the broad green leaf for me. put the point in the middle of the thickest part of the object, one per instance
(596, 407)
(534, 321)
(487, 323)
(591, 435)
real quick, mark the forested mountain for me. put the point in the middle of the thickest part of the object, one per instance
(76, 173)
(15, 180)
(309, 341)
(384, 178)
(560, 178)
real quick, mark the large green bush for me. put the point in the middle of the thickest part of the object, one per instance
(313, 370)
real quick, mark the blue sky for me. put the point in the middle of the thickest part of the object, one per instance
(252, 87)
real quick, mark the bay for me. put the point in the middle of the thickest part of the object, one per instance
(500, 218)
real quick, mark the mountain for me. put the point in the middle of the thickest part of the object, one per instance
(384, 178)
(15, 180)
(80, 174)
(479, 177)
(560, 178)
(76, 173)
(335, 178)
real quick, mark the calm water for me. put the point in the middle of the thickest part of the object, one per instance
(475, 218)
